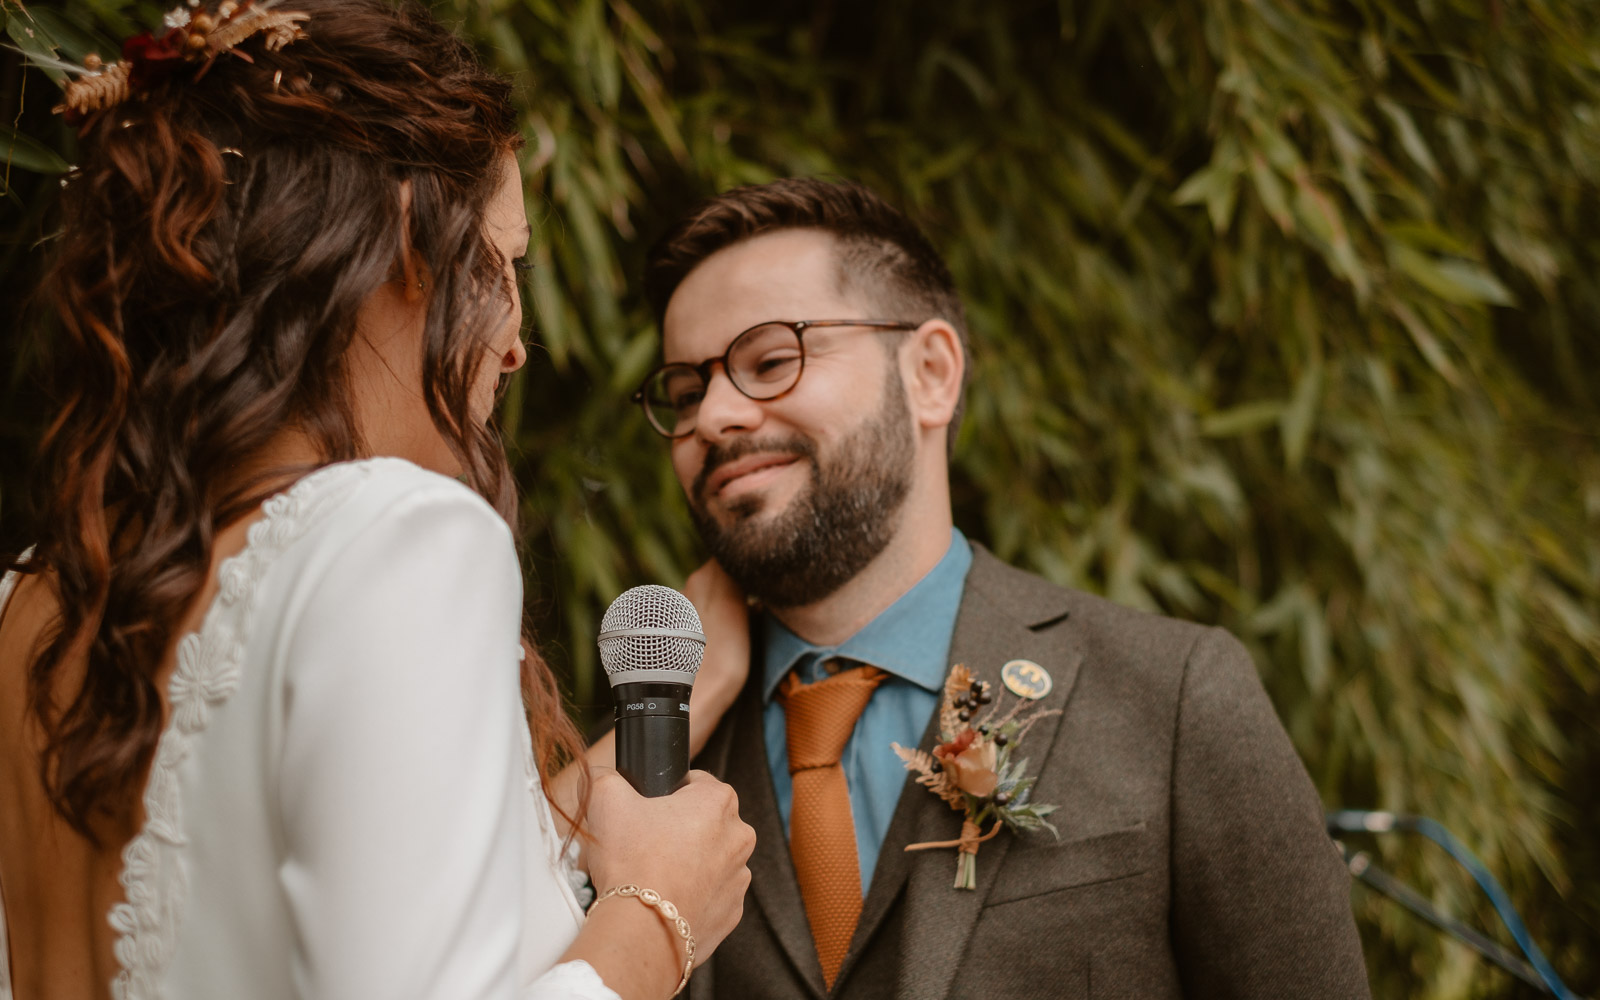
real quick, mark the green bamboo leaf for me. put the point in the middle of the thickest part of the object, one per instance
(1269, 187)
(1277, 148)
(509, 408)
(637, 358)
(510, 54)
(1214, 481)
(652, 94)
(636, 27)
(1410, 138)
(597, 55)
(1321, 218)
(1580, 624)
(1532, 254)
(1473, 282)
(968, 73)
(1315, 658)
(1277, 614)
(1437, 91)
(947, 163)
(1217, 187)
(36, 42)
(551, 326)
(1300, 415)
(1353, 157)
(113, 18)
(1423, 234)
(1246, 418)
(26, 153)
(75, 38)
(1452, 279)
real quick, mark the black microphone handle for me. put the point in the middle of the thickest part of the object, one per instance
(653, 736)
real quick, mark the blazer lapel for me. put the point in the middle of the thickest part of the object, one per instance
(772, 877)
(1005, 615)
(912, 813)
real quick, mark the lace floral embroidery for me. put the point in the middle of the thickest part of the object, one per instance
(208, 671)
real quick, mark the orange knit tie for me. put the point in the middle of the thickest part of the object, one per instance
(822, 835)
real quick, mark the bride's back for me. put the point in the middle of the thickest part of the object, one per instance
(57, 885)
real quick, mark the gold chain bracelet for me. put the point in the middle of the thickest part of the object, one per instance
(669, 913)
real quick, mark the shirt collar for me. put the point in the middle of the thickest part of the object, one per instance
(910, 638)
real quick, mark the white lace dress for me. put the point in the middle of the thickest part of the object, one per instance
(343, 803)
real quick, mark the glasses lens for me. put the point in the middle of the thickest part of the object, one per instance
(673, 398)
(766, 361)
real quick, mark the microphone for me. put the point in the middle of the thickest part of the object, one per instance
(651, 643)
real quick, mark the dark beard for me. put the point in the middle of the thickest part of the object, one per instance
(831, 530)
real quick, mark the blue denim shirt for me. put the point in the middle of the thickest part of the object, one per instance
(910, 640)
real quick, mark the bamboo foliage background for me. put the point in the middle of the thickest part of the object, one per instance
(1283, 315)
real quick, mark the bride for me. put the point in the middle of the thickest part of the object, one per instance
(262, 731)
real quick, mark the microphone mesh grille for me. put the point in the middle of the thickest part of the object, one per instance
(645, 609)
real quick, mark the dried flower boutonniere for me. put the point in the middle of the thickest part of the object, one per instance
(973, 769)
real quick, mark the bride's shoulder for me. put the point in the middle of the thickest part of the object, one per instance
(366, 492)
(381, 510)
(378, 478)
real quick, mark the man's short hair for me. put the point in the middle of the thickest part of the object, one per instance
(880, 252)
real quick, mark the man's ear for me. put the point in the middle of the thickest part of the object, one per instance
(934, 365)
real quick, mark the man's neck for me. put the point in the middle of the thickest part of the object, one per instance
(915, 550)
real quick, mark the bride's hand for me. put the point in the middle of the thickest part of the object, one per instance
(691, 847)
(726, 621)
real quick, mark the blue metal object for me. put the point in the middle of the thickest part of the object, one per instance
(1362, 821)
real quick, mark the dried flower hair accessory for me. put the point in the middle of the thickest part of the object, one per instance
(972, 769)
(189, 38)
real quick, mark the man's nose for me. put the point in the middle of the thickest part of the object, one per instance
(725, 410)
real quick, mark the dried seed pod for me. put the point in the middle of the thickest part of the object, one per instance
(91, 93)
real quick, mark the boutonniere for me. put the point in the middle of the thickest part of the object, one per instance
(974, 768)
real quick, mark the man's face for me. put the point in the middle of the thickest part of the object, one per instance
(795, 495)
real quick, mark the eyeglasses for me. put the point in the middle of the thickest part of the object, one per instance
(764, 362)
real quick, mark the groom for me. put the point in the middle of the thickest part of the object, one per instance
(817, 354)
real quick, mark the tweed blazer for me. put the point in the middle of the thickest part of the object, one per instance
(1192, 859)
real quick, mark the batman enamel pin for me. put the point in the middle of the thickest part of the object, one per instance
(1026, 679)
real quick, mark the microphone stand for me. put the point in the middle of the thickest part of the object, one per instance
(1536, 971)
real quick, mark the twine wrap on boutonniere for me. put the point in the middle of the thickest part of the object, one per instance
(973, 769)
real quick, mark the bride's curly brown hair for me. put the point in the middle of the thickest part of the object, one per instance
(219, 236)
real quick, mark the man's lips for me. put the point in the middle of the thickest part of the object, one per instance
(738, 469)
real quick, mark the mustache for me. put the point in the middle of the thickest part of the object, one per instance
(721, 454)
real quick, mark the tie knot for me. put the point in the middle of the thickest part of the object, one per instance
(820, 717)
